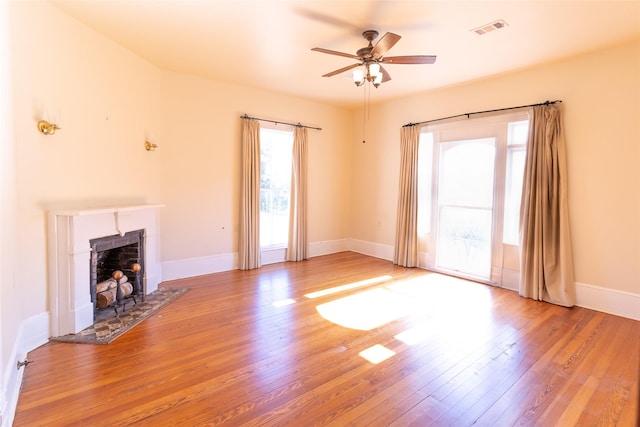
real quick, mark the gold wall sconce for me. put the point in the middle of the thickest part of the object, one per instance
(47, 128)
(149, 146)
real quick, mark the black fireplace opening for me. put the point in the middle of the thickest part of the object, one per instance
(117, 270)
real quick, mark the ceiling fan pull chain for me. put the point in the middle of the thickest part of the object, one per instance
(364, 115)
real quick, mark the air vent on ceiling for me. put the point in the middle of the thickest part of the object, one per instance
(495, 25)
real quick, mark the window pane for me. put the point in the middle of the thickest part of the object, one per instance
(425, 171)
(465, 192)
(466, 173)
(275, 183)
(518, 132)
(513, 193)
(464, 240)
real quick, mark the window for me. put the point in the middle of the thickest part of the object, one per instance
(470, 183)
(516, 153)
(275, 186)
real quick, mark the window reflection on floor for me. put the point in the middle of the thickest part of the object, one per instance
(433, 304)
(376, 354)
(348, 286)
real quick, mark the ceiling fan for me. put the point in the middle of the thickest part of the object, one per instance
(370, 57)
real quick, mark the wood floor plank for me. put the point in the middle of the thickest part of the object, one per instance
(226, 352)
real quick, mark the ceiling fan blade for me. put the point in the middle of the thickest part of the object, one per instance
(413, 59)
(384, 44)
(385, 75)
(327, 19)
(341, 70)
(333, 52)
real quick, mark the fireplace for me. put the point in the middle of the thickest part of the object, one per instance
(72, 235)
(117, 261)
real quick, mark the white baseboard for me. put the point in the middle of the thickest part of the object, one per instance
(377, 250)
(183, 268)
(510, 279)
(272, 256)
(11, 385)
(328, 247)
(33, 333)
(619, 303)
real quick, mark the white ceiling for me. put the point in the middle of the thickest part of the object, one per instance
(267, 44)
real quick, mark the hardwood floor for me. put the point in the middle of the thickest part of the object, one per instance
(249, 348)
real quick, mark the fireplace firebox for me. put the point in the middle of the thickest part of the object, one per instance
(116, 270)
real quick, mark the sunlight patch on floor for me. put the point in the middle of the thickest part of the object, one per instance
(451, 300)
(414, 335)
(348, 286)
(284, 302)
(376, 354)
(366, 310)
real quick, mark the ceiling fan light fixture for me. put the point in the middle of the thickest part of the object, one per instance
(358, 76)
(374, 70)
(378, 80)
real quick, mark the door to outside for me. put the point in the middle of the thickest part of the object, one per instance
(465, 206)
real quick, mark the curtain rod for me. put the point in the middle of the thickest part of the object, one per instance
(467, 115)
(244, 116)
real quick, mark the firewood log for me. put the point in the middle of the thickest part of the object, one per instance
(106, 298)
(127, 288)
(106, 285)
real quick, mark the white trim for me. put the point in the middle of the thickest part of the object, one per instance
(33, 332)
(511, 279)
(328, 247)
(373, 249)
(273, 255)
(191, 267)
(619, 303)
(11, 384)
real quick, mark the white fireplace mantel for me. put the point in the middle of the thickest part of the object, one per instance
(70, 253)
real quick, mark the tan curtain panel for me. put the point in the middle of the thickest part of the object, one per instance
(546, 260)
(297, 245)
(249, 244)
(406, 245)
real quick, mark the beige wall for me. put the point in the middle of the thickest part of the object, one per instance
(601, 100)
(201, 158)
